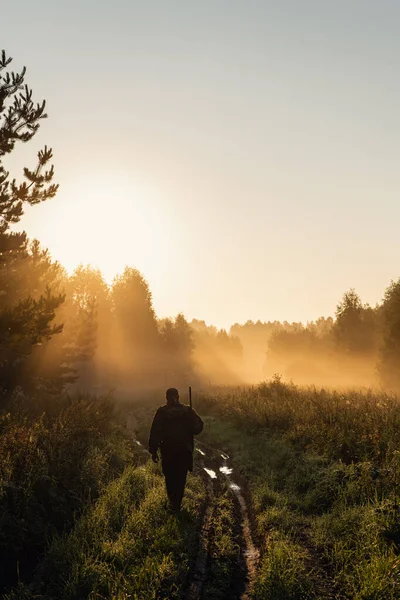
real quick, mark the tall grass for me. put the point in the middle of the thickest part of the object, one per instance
(50, 470)
(84, 515)
(323, 474)
(125, 546)
(350, 425)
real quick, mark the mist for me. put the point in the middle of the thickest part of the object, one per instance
(109, 339)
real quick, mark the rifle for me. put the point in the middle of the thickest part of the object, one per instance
(190, 396)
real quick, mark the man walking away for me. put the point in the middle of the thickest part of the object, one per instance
(172, 432)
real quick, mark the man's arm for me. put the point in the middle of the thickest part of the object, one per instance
(155, 433)
(197, 423)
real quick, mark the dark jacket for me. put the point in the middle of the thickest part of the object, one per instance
(172, 431)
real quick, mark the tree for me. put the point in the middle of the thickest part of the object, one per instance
(133, 306)
(355, 328)
(389, 363)
(178, 345)
(136, 338)
(89, 305)
(26, 319)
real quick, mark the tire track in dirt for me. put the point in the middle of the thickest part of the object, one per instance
(218, 466)
(199, 576)
(222, 468)
(251, 553)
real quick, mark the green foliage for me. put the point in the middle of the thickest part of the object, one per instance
(350, 426)
(26, 318)
(323, 473)
(283, 574)
(125, 546)
(224, 550)
(50, 469)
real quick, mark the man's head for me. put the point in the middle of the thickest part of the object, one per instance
(172, 396)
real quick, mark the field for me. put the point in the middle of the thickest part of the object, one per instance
(302, 501)
(322, 474)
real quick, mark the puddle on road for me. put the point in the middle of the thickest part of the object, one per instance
(211, 473)
(226, 470)
(249, 551)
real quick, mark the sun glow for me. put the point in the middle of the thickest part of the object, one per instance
(109, 226)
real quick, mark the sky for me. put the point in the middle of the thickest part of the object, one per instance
(243, 155)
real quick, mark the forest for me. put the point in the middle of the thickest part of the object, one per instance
(307, 415)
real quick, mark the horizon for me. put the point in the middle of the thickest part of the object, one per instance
(227, 328)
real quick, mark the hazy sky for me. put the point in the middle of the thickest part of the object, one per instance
(242, 154)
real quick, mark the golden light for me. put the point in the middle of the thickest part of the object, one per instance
(108, 225)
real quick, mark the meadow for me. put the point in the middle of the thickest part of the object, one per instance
(322, 470)
(84, 512)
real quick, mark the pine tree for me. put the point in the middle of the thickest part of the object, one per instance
(26, 319)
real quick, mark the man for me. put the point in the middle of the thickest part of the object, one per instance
(172, 432)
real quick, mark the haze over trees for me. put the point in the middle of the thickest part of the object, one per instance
(58, 330)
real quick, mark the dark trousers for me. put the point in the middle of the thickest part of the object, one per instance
(175, 470)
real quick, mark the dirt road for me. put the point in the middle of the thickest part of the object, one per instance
(219, 478)
(219, 475)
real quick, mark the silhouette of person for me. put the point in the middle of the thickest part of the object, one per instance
(172, 431)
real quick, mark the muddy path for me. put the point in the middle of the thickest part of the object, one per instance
(199, 573)
(215, 467)
(218, 471)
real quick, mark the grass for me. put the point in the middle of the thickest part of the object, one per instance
(84, 513)
(283, 574)
(350, 425)
(126, 545)
(326, 518)
(224, 570)
(51, 470)
(224, 552)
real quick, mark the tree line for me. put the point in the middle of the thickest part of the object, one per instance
(61, 331)
(359, 346)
